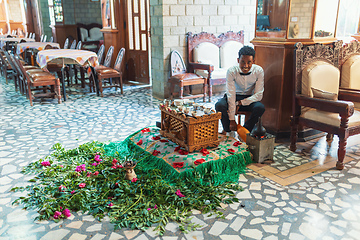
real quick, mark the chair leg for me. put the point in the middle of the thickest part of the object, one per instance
(100, 87)
(293, 136)
(58, 90)
(181, 90)
(30, 95)
(204, 91)
(329, 137)
(341, 153)
(121, 85)
(172, 86)
(210, 91)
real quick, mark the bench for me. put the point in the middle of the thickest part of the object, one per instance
(210, 56)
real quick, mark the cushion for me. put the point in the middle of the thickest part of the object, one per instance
(229, 54)
(320, 75)
(95, 34)
(84, 34)
(107, 71)
(330, 118)
(205, 52)
(350, 73)
(216, 74)
(185, 76)
(318, 93)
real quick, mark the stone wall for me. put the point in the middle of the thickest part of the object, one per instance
(172, 19)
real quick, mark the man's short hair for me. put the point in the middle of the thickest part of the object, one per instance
(247, 50)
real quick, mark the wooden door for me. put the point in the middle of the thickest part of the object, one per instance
(137, 53)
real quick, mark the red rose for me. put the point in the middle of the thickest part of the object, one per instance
(199, 161)
(235, 144)
(183, 152)
(139, 142)
(145, 130)
(178, 164)
(156, 138)
(164, 140)
(155, 152)
(230, 150)
(204, 151)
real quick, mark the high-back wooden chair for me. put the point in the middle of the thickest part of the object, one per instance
(37, 80)
(113, 74)
(100, 53)
(318, 103)
(73, 45)
(180, 76)
(66, 43)
(78, 46)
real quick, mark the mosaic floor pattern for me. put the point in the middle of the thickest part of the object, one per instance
(298, 196)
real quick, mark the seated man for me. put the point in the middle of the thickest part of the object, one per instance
(244, 87)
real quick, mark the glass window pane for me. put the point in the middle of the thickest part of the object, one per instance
(137, 34)
(325, 18)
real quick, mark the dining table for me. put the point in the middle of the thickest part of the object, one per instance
(21, 47)
(65, 57)
(14, 39)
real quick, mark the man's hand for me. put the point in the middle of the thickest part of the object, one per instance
(233, 125)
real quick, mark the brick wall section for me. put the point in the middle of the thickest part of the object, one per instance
(300, 9)
(172, 19)
(15, 13)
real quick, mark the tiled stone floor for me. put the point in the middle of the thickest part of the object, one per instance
(299, 196)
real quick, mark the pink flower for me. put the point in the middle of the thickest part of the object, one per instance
(149, 209)
(119, 166)
(97, 158)
(134, 179)
(155, 206)
(57, 214)
(46, 164)
(111, 204)
(96, 173)
(62, 188)
(94, 164)
(80, 168)
(82, 185)
(114, 161)
(113, 166)
(72, 192)
(88, 174)
(179, 193)
(62, 166)
(66, 212)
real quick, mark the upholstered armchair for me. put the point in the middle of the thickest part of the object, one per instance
(316, 96)
(350, 71)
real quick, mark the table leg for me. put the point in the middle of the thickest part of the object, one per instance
(96, 80)
(63, 82)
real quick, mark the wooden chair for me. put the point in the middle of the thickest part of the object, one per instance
(66, 43)
(73, 45)
(51, 39)
(39, 80)
(5, 67)
(78, 46)
(180, 76)
(100, 53)
(316, 90)
(113, 74)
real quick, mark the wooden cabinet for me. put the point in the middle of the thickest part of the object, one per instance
(280, 24)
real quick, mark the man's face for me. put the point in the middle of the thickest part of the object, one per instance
(245, 63)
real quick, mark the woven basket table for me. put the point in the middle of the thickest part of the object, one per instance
(192, 133)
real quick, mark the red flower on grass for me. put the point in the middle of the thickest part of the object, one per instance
(155, 152)
(82, 185)
(156, 138)
(96, 173)
(134, 179)
(230, 150)
(62, 188)
(145, 130)
(183, 152)
(235, 144)
(139, 142)
(178, 165)
(199, 161)
(204, 151)
(66, 212)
